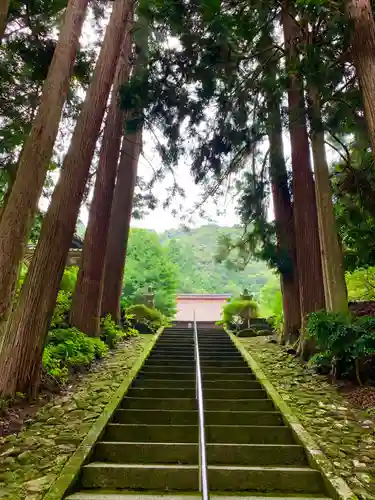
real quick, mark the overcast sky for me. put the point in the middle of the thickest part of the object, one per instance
(162, 218)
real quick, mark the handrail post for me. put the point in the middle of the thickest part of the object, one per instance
(203, 483)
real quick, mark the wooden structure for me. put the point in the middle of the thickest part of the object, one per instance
(207, 307)
(74, 256)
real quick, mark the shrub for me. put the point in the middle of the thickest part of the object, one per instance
(346, 344)
(69, 350)
(69, 280)
(60, 317)
(146, 319)
(238, 312)
(111, 333)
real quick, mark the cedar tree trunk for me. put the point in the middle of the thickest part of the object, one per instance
(304, 207)
(86, 305)
(25, 335)
(363, 53)
(4, 7)
(119, 225)
(21, 207)
(283, 210)
(332, 258)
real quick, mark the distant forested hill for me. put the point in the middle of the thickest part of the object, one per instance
(193, 251)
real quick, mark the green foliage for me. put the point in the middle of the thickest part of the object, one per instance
(344, 343)
(26, 52)
(112, 334)
(69, 350)
(69, 279)
(361, 284)
(60, 317)
(238, 312)
(271, 303)
(354, 193)
(148, 264)
(195, 253)
(146, 319)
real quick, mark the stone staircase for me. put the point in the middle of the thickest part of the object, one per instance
(150, 449)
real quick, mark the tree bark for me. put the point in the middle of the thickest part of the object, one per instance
(21, 207)
(86, 304)
(332, 258)
(286, 240)
(305, 215)
(119, 225)
(363, 53)
(11, 171)
(26, 330)
(4, 7)
(284, 229)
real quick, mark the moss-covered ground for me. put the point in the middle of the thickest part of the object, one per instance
(346, 434)
(31, 460)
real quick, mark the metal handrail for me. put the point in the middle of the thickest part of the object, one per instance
(203, 483)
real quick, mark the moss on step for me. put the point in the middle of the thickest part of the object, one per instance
(344, 433)
(31, 460)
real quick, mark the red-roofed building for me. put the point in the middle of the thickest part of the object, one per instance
(207, 307)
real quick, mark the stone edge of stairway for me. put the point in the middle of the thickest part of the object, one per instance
(68, 476)
(336, 486)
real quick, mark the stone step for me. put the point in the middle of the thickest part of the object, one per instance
(232, 405)
(167, 393)
(190, 404)
(234, 393)
(175, 344)
(168, 368)
(190, 417)
(175, 360)
(163, 417)
(245, 434)
(204, 364)
(190, 383)
(191, 356)
(159, 392)
(126, 495)
(168, 374)
(240, 434)
(225, 376)
(185, 478)
(188, 453)
(202, 349)
(152, 433)
(232, 384)
(191, 369)
(159, 404)
(151, 443)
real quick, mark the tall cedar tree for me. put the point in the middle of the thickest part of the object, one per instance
(86, 304)
(305, 215)
(119, 224)
(4, 6)
(286, 240)
(26, 331)
(331, 252)
(363, 54)
(125, 184)
(21, 207)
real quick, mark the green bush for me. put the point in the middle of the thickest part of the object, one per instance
(237, 313)
(60, 317)
(69, 350)
(111, 333)
(146, 319)
(69, 280)
(344, 343)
